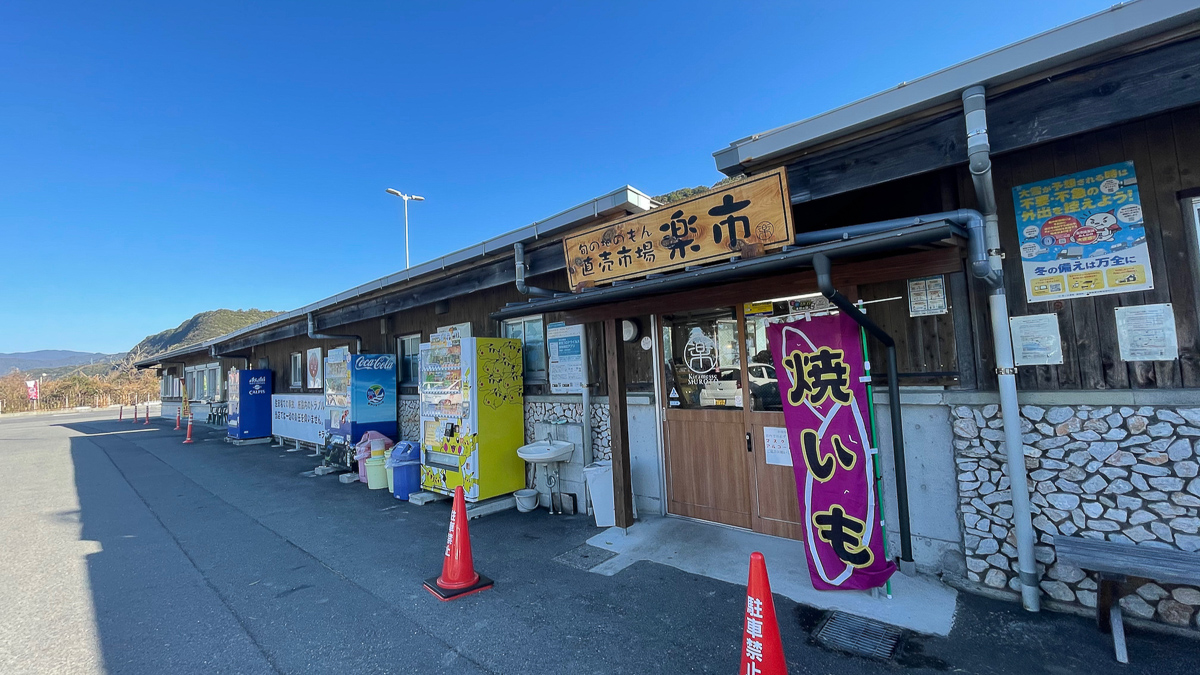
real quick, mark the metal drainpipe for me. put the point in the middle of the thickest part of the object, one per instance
(312, 333)
(522, 287)
(978, 151)
(825, 282)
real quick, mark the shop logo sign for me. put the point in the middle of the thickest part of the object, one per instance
(375, 394)
(700, 352)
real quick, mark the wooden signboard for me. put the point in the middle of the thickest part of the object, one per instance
(754, 214)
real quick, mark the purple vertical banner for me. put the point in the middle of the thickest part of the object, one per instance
(820, 366)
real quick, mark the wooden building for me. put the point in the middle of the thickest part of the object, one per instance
(1110, 400)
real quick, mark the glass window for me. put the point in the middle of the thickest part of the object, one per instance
(297, 376)
(531, 332)
(703, 363)
(764, 388)
(408, 356)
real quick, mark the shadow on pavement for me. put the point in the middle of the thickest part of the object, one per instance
(221, 559)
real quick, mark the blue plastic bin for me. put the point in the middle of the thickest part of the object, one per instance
(405, 465)
(406, 480)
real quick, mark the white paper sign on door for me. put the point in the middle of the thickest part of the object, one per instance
(775, 442)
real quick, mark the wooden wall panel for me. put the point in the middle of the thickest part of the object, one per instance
(1163, 149)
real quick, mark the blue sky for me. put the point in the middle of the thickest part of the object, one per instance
(161, 159)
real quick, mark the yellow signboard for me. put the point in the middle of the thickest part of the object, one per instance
(716, 225)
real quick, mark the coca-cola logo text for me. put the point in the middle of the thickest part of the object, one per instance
(379, 362)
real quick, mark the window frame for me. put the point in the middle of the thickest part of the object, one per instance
(296, 372)
(403, 377)
(541, 376)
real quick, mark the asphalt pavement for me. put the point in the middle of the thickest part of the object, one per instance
(124, 551)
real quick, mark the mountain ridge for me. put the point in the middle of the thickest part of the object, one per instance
(198, 328)
(49, 358)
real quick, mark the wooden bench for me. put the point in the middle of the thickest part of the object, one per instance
(1113, 563)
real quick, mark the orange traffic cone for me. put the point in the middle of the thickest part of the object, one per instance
(458, 576)
(189, 431)
(762, 651)
(135, 413)
(177, 418)
(147, 414)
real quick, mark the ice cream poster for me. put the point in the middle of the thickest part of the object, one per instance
(822, 385)
(1082, 234)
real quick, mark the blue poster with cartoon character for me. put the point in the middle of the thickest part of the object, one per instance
(1082, 234)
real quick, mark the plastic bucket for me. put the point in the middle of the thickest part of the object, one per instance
(527, 500)
(407, 480)
(376, 474)
(378, 446)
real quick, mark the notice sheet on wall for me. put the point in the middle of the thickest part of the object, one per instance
(1036, 340)
(927, 296)
(775, 442)
(568, 371)
(1147, 333)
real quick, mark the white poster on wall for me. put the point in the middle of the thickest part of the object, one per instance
(299, 417)
(315, 368)
(1147, 333)
(568, 367)
(1036, 340)
(775, 443)
(927, 296)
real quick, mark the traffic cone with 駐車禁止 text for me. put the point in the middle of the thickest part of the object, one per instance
(458, 576)
(762, 650)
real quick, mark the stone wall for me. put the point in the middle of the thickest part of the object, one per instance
(544, 409)
(1112, 473)
(537, 409)
(410, 418)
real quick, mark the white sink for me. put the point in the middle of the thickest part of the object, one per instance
(544, 452)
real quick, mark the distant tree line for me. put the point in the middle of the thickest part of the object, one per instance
(122, 385)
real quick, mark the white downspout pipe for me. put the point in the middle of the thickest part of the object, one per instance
(978, 150)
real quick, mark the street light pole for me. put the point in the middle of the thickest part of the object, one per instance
(392, 191)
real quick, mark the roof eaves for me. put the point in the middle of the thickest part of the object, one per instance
(1109, 28)
(626, 198)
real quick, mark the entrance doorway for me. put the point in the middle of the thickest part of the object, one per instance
(721, 398)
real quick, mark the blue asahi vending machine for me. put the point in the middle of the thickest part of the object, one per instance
(249, 404)
(360, 395)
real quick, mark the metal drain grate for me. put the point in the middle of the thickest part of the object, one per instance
(584, 557)
(854, 634)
